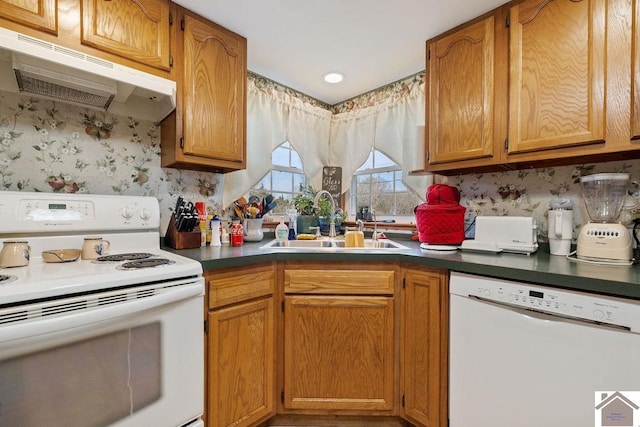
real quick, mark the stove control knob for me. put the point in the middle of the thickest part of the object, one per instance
(145, 214)
(126, 213)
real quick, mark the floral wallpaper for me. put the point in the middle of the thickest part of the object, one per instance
(529, 192)
(51, 147)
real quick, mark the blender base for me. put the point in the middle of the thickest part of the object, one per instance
(605, 242)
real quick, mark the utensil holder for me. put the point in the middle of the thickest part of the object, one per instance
(181, 239)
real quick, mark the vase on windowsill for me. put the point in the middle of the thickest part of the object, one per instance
(304, 222)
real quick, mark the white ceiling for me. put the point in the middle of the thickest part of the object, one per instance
(372, 42)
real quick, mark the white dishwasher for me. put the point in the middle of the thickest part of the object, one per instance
(523, 355)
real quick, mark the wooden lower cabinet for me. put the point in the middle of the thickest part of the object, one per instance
(241, 346)
(424, 344)
(334, 343)
(339, 353)
(340, 338)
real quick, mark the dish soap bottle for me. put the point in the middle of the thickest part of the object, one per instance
(282, 231)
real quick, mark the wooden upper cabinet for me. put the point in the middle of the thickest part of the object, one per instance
(133, 29)
(38, 14)
(635, 77)
(557, 74)
(207, 131)
(460, 99)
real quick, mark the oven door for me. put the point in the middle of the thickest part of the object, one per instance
(127, 357)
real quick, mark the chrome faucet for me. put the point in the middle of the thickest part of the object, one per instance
(332, 225)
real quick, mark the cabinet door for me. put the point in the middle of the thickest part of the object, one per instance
(38, 14)
(424, 341)
(557, 74)
(460, 100)
(635, 80)
(241, 364)
(134, 29)
(215, 72)
(338, 353)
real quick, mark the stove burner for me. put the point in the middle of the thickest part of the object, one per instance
(5, 278)
(145, 263)
(123, 257)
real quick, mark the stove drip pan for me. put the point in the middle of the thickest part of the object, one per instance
(123, 257)
(145, 263)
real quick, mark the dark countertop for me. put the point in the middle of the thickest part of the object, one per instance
(540, 268)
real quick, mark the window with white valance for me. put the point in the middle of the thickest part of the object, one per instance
(325, 139)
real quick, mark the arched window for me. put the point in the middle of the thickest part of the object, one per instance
(284, 179)
(378, 184)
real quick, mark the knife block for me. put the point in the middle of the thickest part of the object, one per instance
(181, 239)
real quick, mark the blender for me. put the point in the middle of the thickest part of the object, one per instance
(604, 239)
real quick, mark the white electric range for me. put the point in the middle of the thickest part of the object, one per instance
(119, 338)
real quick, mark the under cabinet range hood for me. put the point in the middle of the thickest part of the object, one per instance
(44, 70)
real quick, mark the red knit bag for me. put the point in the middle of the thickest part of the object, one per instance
(440, 221)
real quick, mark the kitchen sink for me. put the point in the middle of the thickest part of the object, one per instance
(334, 245)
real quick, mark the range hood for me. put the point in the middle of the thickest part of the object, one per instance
(41, 69)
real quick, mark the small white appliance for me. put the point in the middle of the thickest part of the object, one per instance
(604, 239)
(529, 356)
(516, 234)
(560, 227)
(115, 340)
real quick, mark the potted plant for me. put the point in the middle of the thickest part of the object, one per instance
(307, 215)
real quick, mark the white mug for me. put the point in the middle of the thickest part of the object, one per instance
(560, 231)
(15, 253)
(94, 246)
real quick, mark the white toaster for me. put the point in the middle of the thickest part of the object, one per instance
(504, 234)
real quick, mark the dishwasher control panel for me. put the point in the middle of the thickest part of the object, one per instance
(580, 305)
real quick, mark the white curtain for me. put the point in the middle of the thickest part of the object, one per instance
(273, 117)
(391, 127)
(324, 139)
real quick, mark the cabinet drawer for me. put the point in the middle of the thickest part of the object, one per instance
(240, 284)
(342, 282)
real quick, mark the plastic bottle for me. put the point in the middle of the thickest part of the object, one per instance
(224, 234)
(215, 232)
(292, 224)
(282, 231)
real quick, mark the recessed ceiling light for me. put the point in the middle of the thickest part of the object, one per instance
(333, 77)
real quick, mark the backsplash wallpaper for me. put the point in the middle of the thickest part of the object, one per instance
(529, 192)
(53, 147)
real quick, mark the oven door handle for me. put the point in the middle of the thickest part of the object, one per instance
(85, 319)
